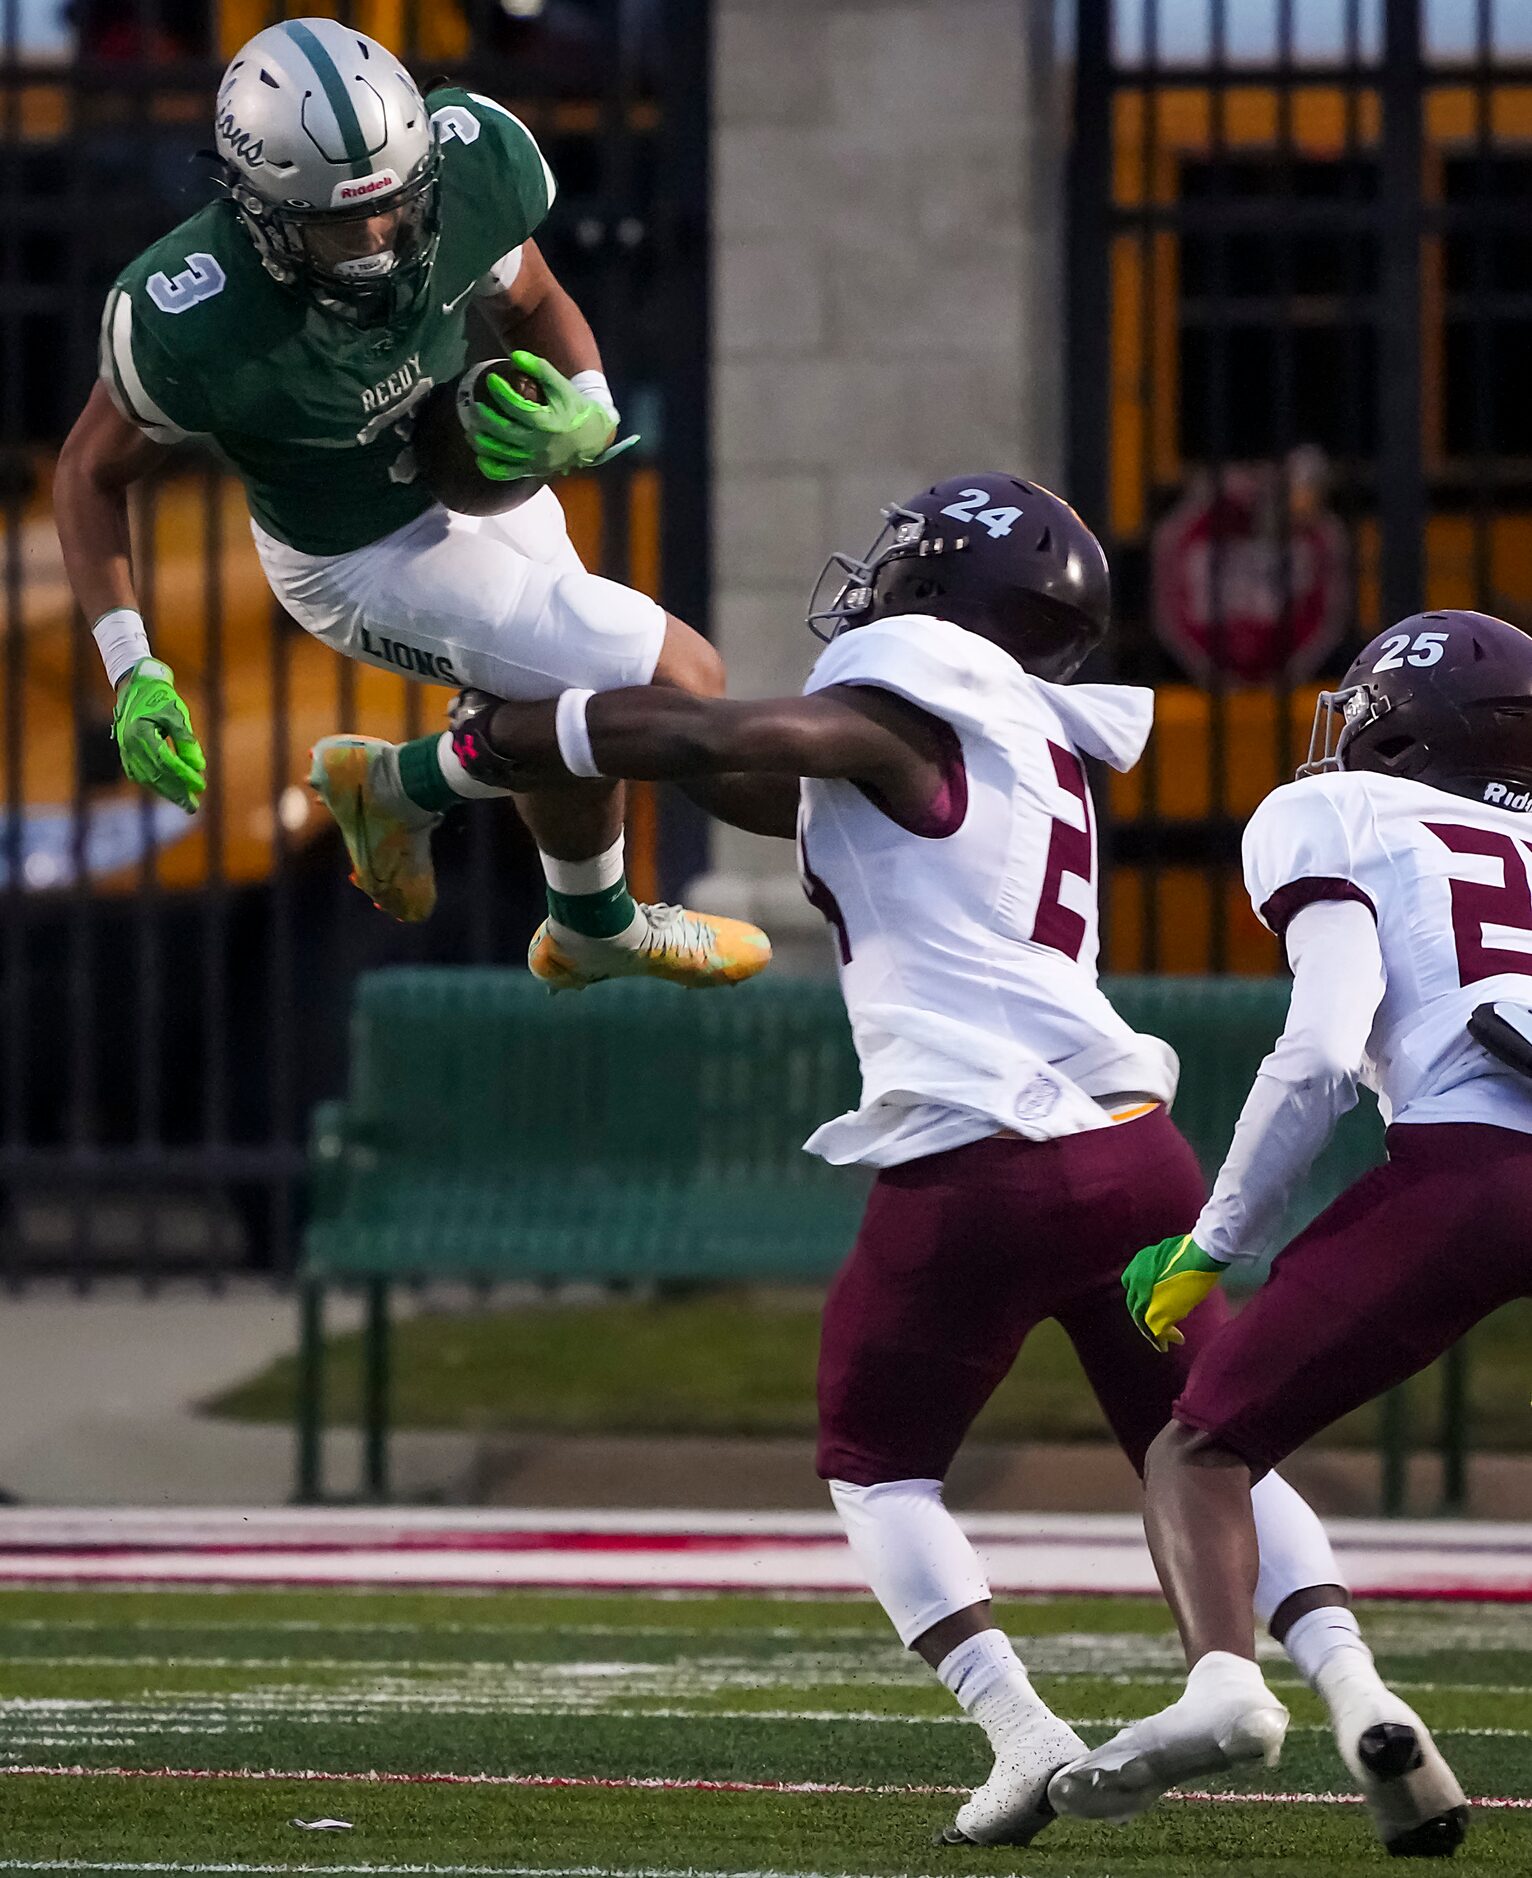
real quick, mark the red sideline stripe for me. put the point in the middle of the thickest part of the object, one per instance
(1394, 1594)
(648, 1783)
(448, 1540)
(454, 1542)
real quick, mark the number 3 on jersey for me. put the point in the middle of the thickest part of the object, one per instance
(199, 280)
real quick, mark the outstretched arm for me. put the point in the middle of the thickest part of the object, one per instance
(657, 734)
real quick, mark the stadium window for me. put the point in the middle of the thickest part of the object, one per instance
(1488, 277)
(1250, 289)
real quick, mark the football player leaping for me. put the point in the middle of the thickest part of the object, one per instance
(1020, 1128)
(298, 322)
(1396, 869)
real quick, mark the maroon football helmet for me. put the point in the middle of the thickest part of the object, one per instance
(1005, 557)
(1441, 698)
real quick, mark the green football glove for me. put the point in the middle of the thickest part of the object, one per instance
(512, 437)
(1167, 1282)
(154, 736)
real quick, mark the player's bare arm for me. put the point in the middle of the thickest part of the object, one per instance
(103, 456)
(855, 733)
(536, 314)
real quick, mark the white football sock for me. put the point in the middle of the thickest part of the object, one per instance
(1330, 1655)
(458, 779)
(579, 877)
(984, 1667)
(1295, 1550)
(912, 1552)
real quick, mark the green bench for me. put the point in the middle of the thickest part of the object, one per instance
(491, 1132)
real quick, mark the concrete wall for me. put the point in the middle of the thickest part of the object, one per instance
(887, 225)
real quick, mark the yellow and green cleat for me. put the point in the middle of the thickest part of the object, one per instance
(387, 836)
(697, 950)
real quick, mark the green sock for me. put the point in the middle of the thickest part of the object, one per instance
(420, 775)
(600, 915)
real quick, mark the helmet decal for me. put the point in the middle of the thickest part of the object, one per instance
(356, 150)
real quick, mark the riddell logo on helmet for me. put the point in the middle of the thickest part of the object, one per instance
(1502, 796)
(363, 187)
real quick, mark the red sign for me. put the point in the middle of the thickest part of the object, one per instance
(1244, 591)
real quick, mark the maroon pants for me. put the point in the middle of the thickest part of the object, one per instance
(1387, 1278)
(959, 1256)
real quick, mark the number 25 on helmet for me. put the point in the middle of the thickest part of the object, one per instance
(1442, 698)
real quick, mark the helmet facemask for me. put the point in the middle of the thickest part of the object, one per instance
(334, 254)
(845, 591)
(1338, 716)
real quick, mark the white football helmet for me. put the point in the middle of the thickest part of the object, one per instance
(326, 151)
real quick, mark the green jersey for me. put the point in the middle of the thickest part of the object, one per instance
(312, 411)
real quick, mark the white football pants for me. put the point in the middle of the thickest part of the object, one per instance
(498, 603)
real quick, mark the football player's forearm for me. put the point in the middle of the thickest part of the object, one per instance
(651, 733)
(553, 327)
(102, 457)
(92, 522)
(1306, 1084)
(654, 734)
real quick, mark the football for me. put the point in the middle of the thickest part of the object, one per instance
(444, 457)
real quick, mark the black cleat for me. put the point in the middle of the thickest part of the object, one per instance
(1417, 1807)
(1434, 1838)
(1389, 1750)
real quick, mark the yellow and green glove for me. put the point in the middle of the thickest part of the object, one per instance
(154, 736)
(512, 437)
(1167, 1282)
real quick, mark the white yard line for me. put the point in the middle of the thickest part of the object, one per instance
(636, 1783)
(83, 1720)
(407, 1871)
(417, 1871)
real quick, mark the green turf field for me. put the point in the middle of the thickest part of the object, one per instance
(624, 1690)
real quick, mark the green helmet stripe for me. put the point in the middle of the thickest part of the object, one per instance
(334, 85)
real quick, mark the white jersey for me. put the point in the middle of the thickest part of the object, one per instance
(968, 944)
(1447, 880)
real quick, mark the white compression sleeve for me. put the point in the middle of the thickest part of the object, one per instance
(1306, 1084)
(912, 1552)
(1295, 1549)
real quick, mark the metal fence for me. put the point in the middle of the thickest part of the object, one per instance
(173, 996)
(1303, 415)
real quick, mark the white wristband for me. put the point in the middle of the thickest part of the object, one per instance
(121, 640)
(573, 733)
(593, 385)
